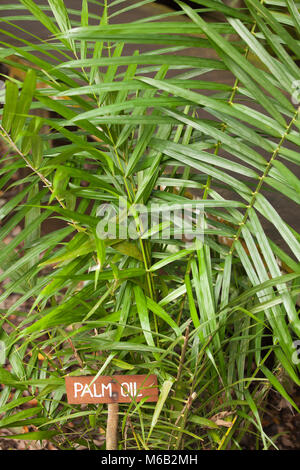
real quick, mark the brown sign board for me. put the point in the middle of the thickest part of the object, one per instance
(111, 389)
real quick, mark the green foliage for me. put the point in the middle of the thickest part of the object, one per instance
(93, 123)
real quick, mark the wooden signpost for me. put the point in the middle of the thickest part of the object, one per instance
(113, 390)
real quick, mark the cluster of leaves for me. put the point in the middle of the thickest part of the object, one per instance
(93, 123)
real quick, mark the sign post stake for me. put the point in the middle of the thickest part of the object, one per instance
(112, 426)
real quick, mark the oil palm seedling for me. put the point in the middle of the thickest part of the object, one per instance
(143, 160)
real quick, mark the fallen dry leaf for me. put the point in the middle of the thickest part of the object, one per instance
(219, 419)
